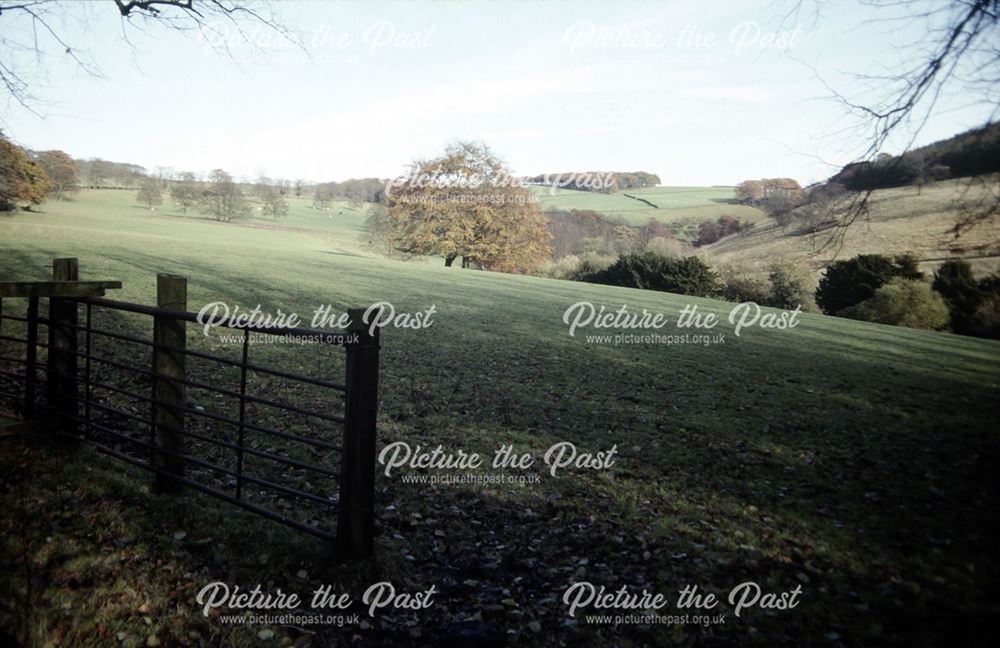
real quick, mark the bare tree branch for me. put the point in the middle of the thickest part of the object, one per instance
(216, 21)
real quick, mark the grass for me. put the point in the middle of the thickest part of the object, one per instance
(906, 219)
(680, 208)
(850, 458)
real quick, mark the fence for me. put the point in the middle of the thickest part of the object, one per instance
(141, 412)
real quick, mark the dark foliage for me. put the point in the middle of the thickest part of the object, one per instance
(969, 301)
(975, 152)
(685, 276)
(850, 282)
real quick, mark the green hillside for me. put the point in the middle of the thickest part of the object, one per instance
(681, 208)
(919, 220)
(772, 456)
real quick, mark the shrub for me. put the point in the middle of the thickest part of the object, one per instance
(562, 268)
(685, 276)
(790, 286)
(669, 247)
(903, 302)
(851, 282)
(745, 289)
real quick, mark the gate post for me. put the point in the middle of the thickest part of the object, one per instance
(168, 392)
(356, 515)
(63, 389)
(31, 359)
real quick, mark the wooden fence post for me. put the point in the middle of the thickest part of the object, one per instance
(63, 388)
(168, 392)
(356, 516)
(31, 359)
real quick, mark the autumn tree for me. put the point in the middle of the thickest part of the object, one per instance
(22, 180)
(223, 199)
(149, 193)
(466, 203)
(184, 190)
(750, 192)
(651, 230)
(62, 170)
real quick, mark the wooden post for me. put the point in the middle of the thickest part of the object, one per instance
(356, 517)
(63, 387)
(168, 415)
(31, 359)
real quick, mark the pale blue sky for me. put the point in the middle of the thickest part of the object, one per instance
(550, 86)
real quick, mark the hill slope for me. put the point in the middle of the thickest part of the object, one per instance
(680, 208)
(772, 456)
(903, 219)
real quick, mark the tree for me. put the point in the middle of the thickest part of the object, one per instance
(466, 203)
(223, 199)
(184, 190)
(22, 180)
(62, 170)
(651, 230)
(958, 287)
(750, 192)
(149, 193)
(323, 196)
(31, 31)
(774, 195)
(709, 232)
(273, 201)
(850, 282)
(955, 58)
(902, 302)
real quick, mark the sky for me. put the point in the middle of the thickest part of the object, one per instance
(700, 93)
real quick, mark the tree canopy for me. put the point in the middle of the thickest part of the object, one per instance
(22, 180)
(465, 203)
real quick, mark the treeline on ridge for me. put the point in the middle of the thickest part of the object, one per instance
(598, 181)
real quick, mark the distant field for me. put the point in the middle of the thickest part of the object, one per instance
(342, 222)
(680, 208)
(906, 219)
(772, 457)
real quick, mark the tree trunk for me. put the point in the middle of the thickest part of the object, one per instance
(449, 259)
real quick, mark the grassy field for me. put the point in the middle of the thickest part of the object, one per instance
(849, 458)
(906, 219)
(681, 208)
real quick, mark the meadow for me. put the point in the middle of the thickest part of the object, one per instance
(682, 209)
(850, 459)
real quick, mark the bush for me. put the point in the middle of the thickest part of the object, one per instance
(790, 286)
(745, 289)
(685, 276)
(663, 246)
(847, 283)
(903, 302)
(562, 268)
